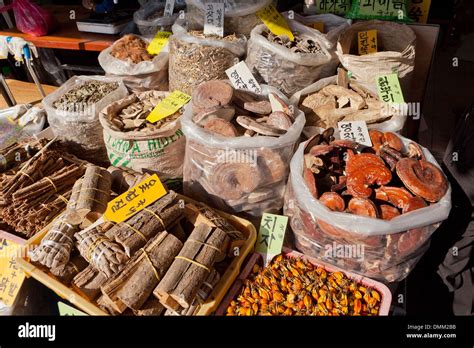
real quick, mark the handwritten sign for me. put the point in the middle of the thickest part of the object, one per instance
(275, 21)
(356, 131)
(68, 311)
(169, 8)
(338, 7)
(168, 106)
(319, 26)
(11, 276)
(389, 90)
(159, 42)
(367, 42)
(214, 18)
(418, 10)
(271, 235)
(242, 78)
(134, 200)
(389, 8)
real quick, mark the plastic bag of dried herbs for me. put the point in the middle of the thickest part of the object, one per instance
(285, 65)
(333, 27)
(239, 18)
(239, 174)
(396, 53)
(133, 142)
(149, 19)
(73, 113)
(388, 249)
(129, 60)
(388, 10)
(195, 58)
(314, 99)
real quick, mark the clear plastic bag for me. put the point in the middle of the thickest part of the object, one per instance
(394, 124)
(397, 47)
(139, 77)
(333, 27)
(195, 60)
(30, 18)
(80, 130)
(240, 15)
(150, 26)
(380, 249)
(211, 158)
(279, 67)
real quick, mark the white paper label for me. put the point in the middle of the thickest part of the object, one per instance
(169, 8)
(214, 18)
(276, 105)
(356, 131)
(242, 78)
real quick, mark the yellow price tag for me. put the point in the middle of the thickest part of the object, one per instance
(168, 106)
(419, 10)
(318, 26)
(135, 200)
(159, 42)
(11, 276)
(367, 42)
(275, 21)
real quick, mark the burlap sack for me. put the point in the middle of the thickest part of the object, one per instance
(396, 43)
(160, 151)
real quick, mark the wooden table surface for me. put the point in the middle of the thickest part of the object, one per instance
(66, 35)
(25, 92)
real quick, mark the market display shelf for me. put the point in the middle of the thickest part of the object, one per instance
(207, 308)
(386, 295)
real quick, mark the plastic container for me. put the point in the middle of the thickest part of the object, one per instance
(149, 27)
(389, 249)
(91, 308)
(386, 295)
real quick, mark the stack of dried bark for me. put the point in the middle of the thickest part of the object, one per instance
(89, 197)
(205, 246)
(33, 194)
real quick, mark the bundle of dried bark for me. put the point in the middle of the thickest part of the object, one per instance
(67, 273)
(151, 308)
(90, 196)
(125, 178)
(138, 230)
(178, 288)
(55, 248)
(201, 297)
(34, 195)
(101, 252)
(135, 283)
(219, 221)
(88, 282)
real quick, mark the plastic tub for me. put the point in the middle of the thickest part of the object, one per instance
(386, 295)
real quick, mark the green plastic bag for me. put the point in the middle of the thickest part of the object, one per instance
(388, 10)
